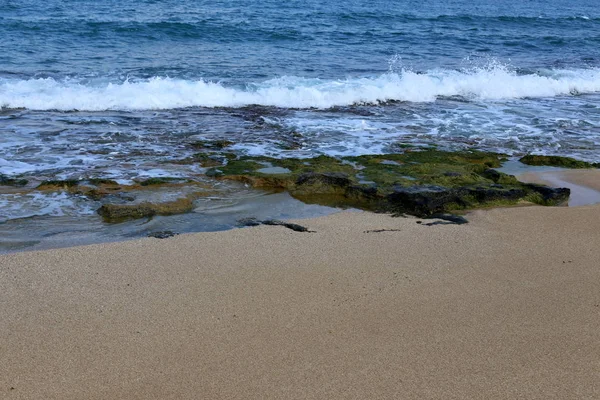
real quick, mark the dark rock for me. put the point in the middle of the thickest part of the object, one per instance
(294, 227)
(488, 194)
(549, 195)
(368, 191)
(499, 177)
(492, 174)
(274, 222)
(422, 200)
(162, 234)
(6, 181)
(448, 219)
(211, 144)
(556, 161)
(248, 222)
(214, 172)
(338, 179)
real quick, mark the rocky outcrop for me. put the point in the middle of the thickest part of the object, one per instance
(6, 181)
(557, 161)
(420, 183)
(121, 212)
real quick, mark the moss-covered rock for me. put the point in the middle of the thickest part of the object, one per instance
(95, 194)
(58, 184)
(557, 161)
(415, 182)
(101, 181)
(211, 144)
(6, 181)
(160, 181)
(211, 159)
(121, 212)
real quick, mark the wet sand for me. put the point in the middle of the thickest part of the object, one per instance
(584, 184)
(366, 307)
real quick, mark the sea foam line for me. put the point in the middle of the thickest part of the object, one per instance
(494, 83)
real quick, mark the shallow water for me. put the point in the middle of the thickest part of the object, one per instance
(72, 229)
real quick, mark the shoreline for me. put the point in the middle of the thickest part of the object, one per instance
(421, 183)
(584, 183)
(367, 306)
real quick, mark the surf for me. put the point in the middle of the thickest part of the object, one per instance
(161, 93)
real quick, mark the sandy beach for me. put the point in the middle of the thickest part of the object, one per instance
(365, 307)
(235, 200)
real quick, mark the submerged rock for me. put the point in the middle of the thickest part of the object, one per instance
(557, 161)
(121, 212)
(211, 144)
(160, 181)
(6, 181)
(162, 234)
(58, 184)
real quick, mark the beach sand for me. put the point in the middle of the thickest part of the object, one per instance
(507, 306)
(584, 183)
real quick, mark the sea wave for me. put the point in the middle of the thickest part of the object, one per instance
(490, 83)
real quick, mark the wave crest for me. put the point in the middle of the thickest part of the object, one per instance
(493, 83)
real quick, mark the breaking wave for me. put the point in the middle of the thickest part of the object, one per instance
(493, 83)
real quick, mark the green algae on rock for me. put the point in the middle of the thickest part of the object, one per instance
(160, 181)
(212, 159)
(101, 181)
(58, 184)
(415, 182)
(122, 212)
(211, 144)
(557, 161)
(6, 181)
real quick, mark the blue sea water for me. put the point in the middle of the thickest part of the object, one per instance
(120, 89)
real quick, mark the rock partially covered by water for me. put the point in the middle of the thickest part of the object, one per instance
(121, 212)
(420, 183)
(6, 181)
(549, 196)
(58, 184)
(557, 161)
(162, 234)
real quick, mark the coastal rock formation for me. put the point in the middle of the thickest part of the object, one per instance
(419, 183)
(6, 181)
(557, 161)
(121, 212)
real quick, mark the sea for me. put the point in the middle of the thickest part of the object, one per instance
(123, 89)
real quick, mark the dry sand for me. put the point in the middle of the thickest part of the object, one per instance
(505, 307)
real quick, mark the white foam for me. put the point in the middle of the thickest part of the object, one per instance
(15, 167)
(13, 206)
(495, 82)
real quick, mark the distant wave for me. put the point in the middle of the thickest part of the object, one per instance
(493, 83)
